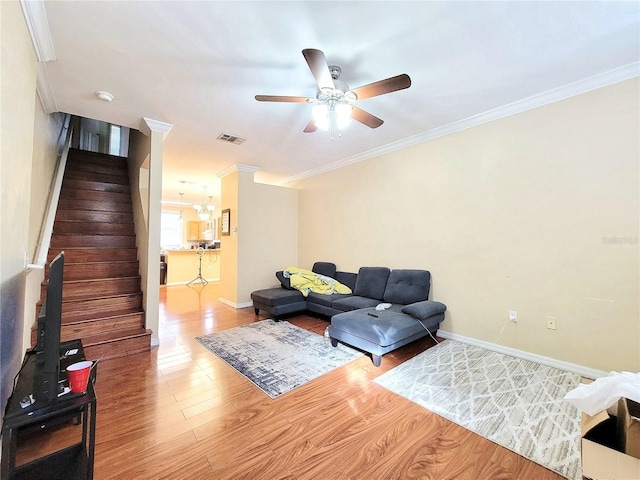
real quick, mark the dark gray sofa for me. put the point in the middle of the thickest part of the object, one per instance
(354, 318)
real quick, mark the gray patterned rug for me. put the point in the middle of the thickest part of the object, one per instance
(277, 356)
(513, 402)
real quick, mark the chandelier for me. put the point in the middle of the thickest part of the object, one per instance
(205, 210)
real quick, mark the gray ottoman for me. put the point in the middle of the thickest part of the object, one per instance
(379, 332)
(278, 301)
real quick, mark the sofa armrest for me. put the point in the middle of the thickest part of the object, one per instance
(425, 309)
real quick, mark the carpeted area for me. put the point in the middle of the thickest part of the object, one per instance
(513, 402)
(277, 356)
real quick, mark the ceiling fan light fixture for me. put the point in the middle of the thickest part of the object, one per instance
(320, 113)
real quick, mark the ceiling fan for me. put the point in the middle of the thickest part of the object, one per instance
(333, 104)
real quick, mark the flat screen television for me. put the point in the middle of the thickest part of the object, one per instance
(47, 372)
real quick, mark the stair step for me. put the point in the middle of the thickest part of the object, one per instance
(88, 289)
(95, 177)
(94, 196)
(92, 228)
(76, 310)
(96, 186)
(96, 158)
(99, 270)
(91, 216)
(111, 170)
(69, 204)
(95, 254)
(117, 344)
(99, 326)
(62, 242)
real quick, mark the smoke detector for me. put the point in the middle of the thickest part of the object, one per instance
(104, 96)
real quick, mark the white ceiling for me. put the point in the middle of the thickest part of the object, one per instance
(198, 66)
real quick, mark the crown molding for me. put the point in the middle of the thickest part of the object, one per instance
(611, 77)
(35, 16)
(43, 89)
(238, 167)
(148, 125)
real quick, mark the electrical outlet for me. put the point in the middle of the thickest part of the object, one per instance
(551, 323)
(513, 316)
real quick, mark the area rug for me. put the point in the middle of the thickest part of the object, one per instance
(277, 356)
(513, 402)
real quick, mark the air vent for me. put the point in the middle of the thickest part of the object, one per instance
(231, 138)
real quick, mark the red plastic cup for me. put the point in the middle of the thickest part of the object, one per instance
(79, 375)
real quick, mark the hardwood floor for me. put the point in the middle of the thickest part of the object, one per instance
(179, 412)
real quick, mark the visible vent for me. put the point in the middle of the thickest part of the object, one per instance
(231, 138)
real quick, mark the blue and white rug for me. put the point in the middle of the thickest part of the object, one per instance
(277, 356)
(513, 402)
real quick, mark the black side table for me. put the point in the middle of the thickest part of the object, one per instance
(73, 462)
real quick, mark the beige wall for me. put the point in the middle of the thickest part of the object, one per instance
(47, 130)
(264, 236)
(17, 114)
(268, 236)
(229, 243)
(537, 212)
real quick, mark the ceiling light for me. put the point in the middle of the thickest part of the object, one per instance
(331, 114)
(205, 210)
(104, 96)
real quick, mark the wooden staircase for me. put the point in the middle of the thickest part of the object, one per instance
(102, 299)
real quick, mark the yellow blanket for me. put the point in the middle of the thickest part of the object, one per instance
(307, 281)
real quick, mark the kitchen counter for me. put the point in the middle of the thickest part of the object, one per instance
(182, 265)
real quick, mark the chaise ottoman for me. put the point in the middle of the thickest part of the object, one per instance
(278, 301)
(379, 332)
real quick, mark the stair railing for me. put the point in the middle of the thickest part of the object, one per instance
(46, 230)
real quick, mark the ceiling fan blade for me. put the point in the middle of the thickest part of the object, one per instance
(277, 98)
(311, 126)
(365, 118)
(319, 67)
(399, 82)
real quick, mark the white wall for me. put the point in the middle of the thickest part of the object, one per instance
(537, 212)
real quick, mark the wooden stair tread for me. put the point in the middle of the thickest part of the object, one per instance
(77, 254)
(111, 336)
(111, 315)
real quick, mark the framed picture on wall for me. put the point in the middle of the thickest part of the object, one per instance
(226, 221)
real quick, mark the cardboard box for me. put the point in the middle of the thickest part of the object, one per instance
(604, 439)
(629, 427)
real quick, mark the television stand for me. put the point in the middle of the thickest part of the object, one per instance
(74, 461)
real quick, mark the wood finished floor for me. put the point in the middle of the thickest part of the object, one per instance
(179, 412)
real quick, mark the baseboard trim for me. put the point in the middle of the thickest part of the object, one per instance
(235, 305)
(548, 361)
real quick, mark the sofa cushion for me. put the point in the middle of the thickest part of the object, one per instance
(284, 281)
(326, 300)
(383, 328)
(347, 278)
(424, 310)
(353, 302)
(371, 282)
(407, 286)
(324, 268)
